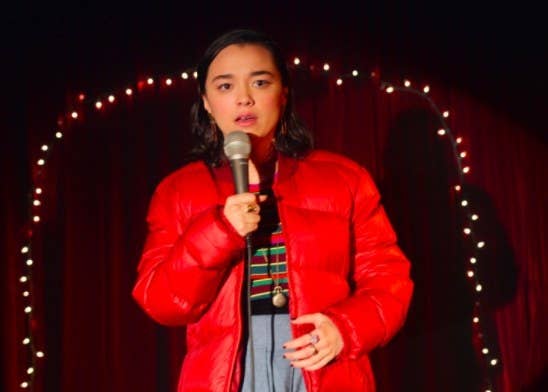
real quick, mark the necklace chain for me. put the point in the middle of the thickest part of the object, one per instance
(278, 297)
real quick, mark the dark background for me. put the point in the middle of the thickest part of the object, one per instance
(495, 51)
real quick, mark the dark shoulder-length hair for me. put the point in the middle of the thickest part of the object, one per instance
(292, 138)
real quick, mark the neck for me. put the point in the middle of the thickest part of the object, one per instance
(262, 166)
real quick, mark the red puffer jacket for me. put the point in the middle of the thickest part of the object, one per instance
(342, 258)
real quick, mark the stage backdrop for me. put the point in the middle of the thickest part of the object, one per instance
(101, 177)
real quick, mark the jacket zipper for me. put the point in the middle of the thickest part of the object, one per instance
(281, 212)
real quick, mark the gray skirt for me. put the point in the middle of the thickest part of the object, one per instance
(273, 372)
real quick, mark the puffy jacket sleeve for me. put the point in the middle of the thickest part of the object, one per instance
(185, 258)
(382, 289)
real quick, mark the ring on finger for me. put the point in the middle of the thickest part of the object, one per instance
(315, 349)
(251, 208)
(314, 339)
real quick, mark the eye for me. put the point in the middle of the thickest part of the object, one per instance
(261, 83)
(223, 87)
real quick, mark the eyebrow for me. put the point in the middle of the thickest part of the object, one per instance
(254, 73)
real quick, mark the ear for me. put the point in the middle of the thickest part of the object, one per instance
(206, 104)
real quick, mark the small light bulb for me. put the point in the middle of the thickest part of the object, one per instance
(81, 97)
(184, 75)
(475, 320)
(36, 202)
(36, 218)
(487, 390)
(355, 72)
(463, 154)
(494, 361)
(195, 75)
(473, 260)
(28, 309)
(426, 89)
(29, 262)
(98, 104)
(40, 354)
(390, 89)
(44, 147)
(326, 67)
(441, 132)
(475, 217)
(58, 135)
(38, 191)
(481, 244)
(74, 115)
(296, 61)
(24, 249)
(464, 203)
(30, 370)
(467, 230)
(478, 287)
(111, 98)
(406, 83)
(40, 162)
(457, 188)
(446, 114)
(485, 350)
(470, 273)
(169, 82)
(24, 384)
(26, 341)
(150, 81)
(466, 169)
(129, 91)
(26, 293)
(23, 279)
(459, 140)
(339, 82)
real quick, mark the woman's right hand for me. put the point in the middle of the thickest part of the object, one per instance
(242, 211)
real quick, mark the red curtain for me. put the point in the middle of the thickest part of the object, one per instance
(99, 180)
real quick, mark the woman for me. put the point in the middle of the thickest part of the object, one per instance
(329, 283)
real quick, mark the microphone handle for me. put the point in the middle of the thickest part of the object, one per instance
(240, 173)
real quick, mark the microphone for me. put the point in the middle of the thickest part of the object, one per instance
(237, 148)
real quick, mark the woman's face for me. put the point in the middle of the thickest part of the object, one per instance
(244, 91)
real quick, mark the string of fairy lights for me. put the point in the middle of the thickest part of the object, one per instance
(35, 355)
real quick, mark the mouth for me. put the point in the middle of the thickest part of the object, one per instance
(246, 119)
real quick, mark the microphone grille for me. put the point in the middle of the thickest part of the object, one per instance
(237, 145)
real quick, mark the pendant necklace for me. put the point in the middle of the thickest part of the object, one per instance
(278, 297)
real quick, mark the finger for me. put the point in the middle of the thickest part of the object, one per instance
(251, 218)
(297, 343)
(312, 337)
(313, 318)
(312, 362)
(241, 198)
(318, 365)
(252, 208)
(302, 353)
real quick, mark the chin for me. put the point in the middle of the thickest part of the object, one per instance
(258, 135)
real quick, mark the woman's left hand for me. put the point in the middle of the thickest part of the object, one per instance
(317, 348)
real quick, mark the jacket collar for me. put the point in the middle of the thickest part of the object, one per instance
(223, 174)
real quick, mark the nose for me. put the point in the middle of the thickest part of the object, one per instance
(244, 98)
